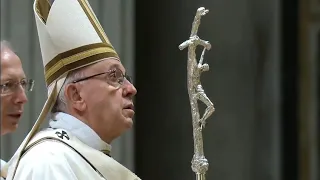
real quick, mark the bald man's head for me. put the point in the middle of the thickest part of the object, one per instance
(7, 52)
(13, 97)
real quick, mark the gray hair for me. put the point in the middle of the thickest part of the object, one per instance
(61, 102)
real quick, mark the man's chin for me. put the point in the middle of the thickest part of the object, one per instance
(129, 122)
(14, 126)
(9, 129)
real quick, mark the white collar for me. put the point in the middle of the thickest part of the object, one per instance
(2, 163)
(82, 131)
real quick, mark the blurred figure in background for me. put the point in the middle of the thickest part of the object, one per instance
(12, 89)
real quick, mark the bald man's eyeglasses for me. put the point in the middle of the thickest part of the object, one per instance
(11, 87)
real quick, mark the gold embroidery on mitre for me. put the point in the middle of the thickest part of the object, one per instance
(79, 56)
(95, 23)
(43, 8)
(75, 58)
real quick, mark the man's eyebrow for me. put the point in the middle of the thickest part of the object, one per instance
(114, 66)
(5, 80)
(117, 66)
(9, 78)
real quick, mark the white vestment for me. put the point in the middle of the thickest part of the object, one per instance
(70, 151)
(2, 163)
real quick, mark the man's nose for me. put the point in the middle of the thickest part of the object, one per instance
(21, 96)
(129, 89)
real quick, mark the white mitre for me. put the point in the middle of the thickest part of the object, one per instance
(70, 37)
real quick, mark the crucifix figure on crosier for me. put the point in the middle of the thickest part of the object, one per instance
(196, 92)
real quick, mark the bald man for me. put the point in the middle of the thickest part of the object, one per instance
(12, 89)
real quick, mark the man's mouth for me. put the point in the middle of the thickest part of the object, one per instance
(130, 107)
(15, 115)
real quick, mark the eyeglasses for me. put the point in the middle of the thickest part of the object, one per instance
(11, 87)
(114, 77)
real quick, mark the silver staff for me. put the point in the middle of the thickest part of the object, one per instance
(196, 92)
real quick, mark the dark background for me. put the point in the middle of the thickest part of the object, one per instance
(248, 66)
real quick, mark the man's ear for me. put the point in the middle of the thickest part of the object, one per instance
(75, 100)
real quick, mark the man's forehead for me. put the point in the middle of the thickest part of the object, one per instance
(10, 62)
(109, 64)
(11, 70)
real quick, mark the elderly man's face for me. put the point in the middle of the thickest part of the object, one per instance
(12, 102)
(109, 108)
